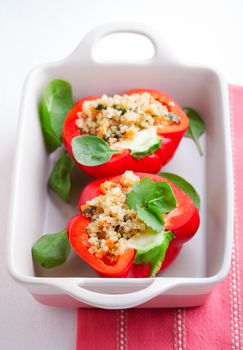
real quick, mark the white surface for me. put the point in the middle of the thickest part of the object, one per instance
(207, 32)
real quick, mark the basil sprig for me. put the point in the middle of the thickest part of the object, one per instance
(184, 186)
(151, 216)
(151, 200)
(54, 106)
(51, 250)
(155, 255)
(196, 127)
(91, 150)
(60, 178)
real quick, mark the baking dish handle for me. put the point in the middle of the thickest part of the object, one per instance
(85, 50)
(76, 289)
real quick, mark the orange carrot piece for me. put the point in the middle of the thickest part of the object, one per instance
(100, 132)
(110, 243)
(84, 207)
(129, 134)
(103, 188)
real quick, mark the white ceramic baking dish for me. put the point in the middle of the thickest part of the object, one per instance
(204, 261)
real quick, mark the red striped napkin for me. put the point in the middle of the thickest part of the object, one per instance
(217, 325)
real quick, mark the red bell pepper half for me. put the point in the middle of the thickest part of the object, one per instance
(183, 221)
(171, 136)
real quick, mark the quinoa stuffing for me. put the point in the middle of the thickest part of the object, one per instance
(112, 221)
(122, 116)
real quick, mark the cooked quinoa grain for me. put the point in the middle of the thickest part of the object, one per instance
(122, 116)
(112, 221)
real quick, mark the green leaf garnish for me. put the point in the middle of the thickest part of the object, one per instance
(54, 106)
(184, 186)
(163, 197)
(52, 249)
(196, 127)
(91, 150)
(151, 199)
(154, 256)
(142, 192)
(151, 216)
(59, 180)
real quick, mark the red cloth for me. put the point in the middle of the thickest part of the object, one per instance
(217, 325)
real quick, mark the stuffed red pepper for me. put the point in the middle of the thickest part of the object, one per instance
(132, 225)
(138, 130)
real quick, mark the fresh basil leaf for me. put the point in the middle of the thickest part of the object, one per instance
(59, 180)
(146, 149)
(151, 199)
(51, 250)
(184, 186)
(155, 255)
(55, 103)
(196, 127)
(151, 216)
(163, 197)
(147, 192)
(142, 193)
(91, 150)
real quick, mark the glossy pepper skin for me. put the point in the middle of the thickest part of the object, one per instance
(183, 221)
(171, 136)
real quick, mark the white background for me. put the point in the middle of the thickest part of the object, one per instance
(34, 32)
